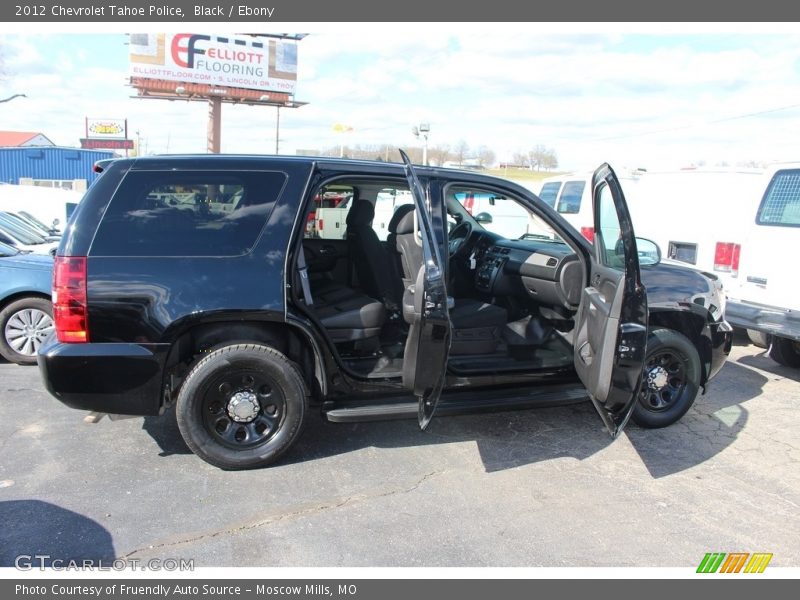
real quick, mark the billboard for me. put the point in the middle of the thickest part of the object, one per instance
(243, 62)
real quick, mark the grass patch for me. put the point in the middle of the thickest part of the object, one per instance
(525, 174)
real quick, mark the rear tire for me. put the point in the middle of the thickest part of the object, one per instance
(242, 406)
(25, 325)
(785, 352)
(671, 379)
(759, 338)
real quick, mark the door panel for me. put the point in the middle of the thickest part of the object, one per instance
(611, 333)
(425, 310)
(327, 256)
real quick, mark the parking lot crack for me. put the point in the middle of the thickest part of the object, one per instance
(287, 516)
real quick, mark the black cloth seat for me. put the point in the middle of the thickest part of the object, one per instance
(346, 314)
(355, 318)
(369, 256)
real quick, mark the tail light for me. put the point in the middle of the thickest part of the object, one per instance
(321, 224)
(726, 257)
(588, 233)
(69, 299)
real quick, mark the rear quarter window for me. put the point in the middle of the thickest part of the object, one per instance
(549, 193)
(195, 213)
(781, 203)
(570, 200)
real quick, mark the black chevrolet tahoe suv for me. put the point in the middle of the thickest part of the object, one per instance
(211, 283)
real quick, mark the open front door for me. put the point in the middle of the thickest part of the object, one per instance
(425, 310)
(611, 335)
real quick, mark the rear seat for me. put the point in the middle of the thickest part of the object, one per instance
(347, 314)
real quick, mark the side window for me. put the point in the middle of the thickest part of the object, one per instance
(781, 203)
(387, 201)
(327, 219)
(192, 213)
(549, 193)
(570, 201)
(612, 252)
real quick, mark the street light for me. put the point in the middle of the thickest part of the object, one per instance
(422, 130)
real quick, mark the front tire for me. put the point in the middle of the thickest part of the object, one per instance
(759, 338)
(785, 352)
(671, 379)
(25, 324)
(242, 406)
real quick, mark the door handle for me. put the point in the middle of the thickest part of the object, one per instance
(596, 280)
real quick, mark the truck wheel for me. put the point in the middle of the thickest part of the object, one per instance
(758, 338)
(242, 406)
(785, 352)
(671, 379)
(24, 326)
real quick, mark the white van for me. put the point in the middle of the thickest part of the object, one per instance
(698, 217)
(46, 204)
(571, 195)
(765, 296)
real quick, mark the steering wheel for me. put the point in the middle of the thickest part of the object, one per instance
(457, 238)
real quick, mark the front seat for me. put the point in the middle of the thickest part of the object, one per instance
(369, 256)
(477, 326)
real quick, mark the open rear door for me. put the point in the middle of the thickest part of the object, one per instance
(611, 335)
(425, 310)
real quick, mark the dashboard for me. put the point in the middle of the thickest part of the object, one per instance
(545, 271)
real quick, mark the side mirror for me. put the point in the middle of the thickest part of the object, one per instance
(56, 223)
(483, 218)
(649, 252)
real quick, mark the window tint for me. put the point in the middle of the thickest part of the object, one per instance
(570, 201)
(781, 204)
(549, 193)
(327, 219)
(612, 252)
(194, 213)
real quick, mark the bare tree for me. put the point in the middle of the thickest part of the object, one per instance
(460, 152)
(521, 159)
(485, 156)
(439, 154)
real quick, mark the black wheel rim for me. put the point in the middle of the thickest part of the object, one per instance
(664, 381)
(243, 408)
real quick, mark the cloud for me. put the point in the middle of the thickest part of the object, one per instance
(622, 97)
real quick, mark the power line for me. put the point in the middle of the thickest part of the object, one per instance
(712, 122)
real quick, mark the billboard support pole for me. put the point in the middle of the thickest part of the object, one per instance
(214, 125)
(277, 130)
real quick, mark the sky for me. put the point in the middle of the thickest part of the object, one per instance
(632, 98)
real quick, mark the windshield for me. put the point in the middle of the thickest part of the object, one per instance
(6, 250)
(33, 220)
(23, 224)
(503, 215)
(18, 232)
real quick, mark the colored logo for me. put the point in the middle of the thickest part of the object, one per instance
(106, 128)
(734, 562)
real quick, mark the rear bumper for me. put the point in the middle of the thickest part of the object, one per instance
(123, 379)
(781, 322)
(721, 342)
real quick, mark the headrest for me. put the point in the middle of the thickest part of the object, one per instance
(398, 215)
(361, 214)
(406, 224)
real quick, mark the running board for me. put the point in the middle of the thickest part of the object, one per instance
(456, 403)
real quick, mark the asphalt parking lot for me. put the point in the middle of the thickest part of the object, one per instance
(544, 487)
